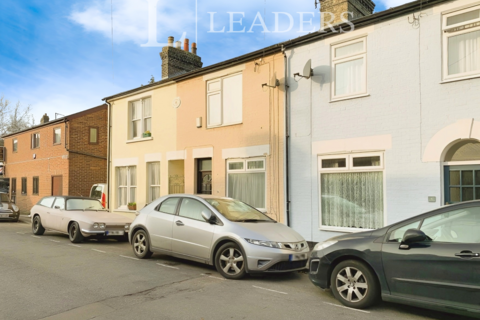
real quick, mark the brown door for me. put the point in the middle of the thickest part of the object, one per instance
(204, 176)
(57, 186)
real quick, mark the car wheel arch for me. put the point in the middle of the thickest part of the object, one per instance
(350, 257)
(138, 228)
(220, 242)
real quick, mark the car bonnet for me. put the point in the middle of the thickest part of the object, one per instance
(268, 231)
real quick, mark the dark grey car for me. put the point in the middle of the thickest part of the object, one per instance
(431, 261)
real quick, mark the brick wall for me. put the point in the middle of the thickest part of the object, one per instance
(50, 160)
(88, 164)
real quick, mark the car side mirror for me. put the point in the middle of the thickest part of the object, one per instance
(208, 216)
(412, 236)
(57, 207)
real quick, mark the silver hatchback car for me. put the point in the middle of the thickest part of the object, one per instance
(227, 233)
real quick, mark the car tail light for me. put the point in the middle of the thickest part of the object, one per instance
(104, 200)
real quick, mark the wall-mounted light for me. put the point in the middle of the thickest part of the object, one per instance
(199, 122)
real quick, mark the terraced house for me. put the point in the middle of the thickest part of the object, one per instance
(64, 156)
(216, 130)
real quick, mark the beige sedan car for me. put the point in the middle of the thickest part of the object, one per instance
(78, 217)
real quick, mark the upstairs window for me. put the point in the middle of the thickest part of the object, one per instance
(349, 69)
(93, 138)
(15, 145)
(57, 135)
(225, 101)
(35, 140)
(461, 43)
(35, 185)
(140, 117)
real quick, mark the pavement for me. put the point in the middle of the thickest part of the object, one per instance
(48, 277)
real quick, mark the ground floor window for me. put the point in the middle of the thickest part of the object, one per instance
(35, 185)
(246, 181)
(351, 191)
(126, 186)
(153, 177)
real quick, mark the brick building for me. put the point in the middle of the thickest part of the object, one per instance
(65, 156)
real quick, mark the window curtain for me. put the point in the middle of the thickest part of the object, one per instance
(132, 171)
(352, 200)
(349, 77)
(121, 186)
(464, 53)
(153, 181)
(248, 187)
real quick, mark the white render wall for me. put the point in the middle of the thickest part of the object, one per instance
(406, 100)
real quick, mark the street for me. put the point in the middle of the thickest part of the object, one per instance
(47, 277)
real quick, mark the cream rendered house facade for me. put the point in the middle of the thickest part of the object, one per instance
(217, 130)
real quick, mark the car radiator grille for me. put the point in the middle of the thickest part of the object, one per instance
(288, 265)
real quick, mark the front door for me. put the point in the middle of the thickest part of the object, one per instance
(192, 235)
(160, 222)
(204, 176)
(443, 270)
(57, 186)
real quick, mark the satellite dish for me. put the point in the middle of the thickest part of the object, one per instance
(274, 82)
(307, 70)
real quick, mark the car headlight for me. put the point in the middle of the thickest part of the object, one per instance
(99, 225)
(127, 226)
(270, 244)
(323, 245)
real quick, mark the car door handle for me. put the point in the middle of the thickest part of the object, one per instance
(467, 254)
(179, 223)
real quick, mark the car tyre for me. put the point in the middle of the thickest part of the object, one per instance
(74, 233)
(355, 285)
(141, 245)
(230, 261)
(37, 227)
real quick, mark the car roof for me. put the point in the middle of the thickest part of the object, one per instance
(71, 197)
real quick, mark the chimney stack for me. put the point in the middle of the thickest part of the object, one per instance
(44, 119)
(333, 10)
(176, 61)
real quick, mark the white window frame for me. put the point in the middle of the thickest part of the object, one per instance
(461, 30)
(148, 179)
(349, 168)
(245, 170)
(15, 145)
(142, 117)
(54, 135)
(128, 186)
(219, 91)
(33, 142)
(355, 56)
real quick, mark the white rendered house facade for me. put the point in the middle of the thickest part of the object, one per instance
(388, 126)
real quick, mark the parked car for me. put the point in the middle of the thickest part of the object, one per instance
(99, 192)
(229, 234)
(78, 217)
(431, 260)
(8, 210)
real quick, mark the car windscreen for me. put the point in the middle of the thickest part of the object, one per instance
(84, 204)
(96, 192)
(5, 197)
(238, 211)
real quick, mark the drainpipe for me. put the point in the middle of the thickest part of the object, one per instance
(109, 132)
(286, 170)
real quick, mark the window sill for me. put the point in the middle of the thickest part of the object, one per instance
(343, 230)
(139, 140)
(460, 78)
(224, 125)
(350, 97)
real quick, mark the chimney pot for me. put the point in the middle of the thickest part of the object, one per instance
(178, 44)
(44, 119)
(170, 41)
(194, 48)
(185, 44)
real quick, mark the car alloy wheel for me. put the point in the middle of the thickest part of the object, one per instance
(140, 243)
(231, 261)
(74, 233)
(352, 284)
(37, 227)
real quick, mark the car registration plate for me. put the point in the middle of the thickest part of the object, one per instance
(297, 257)
(4, 215)
(115, 233)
